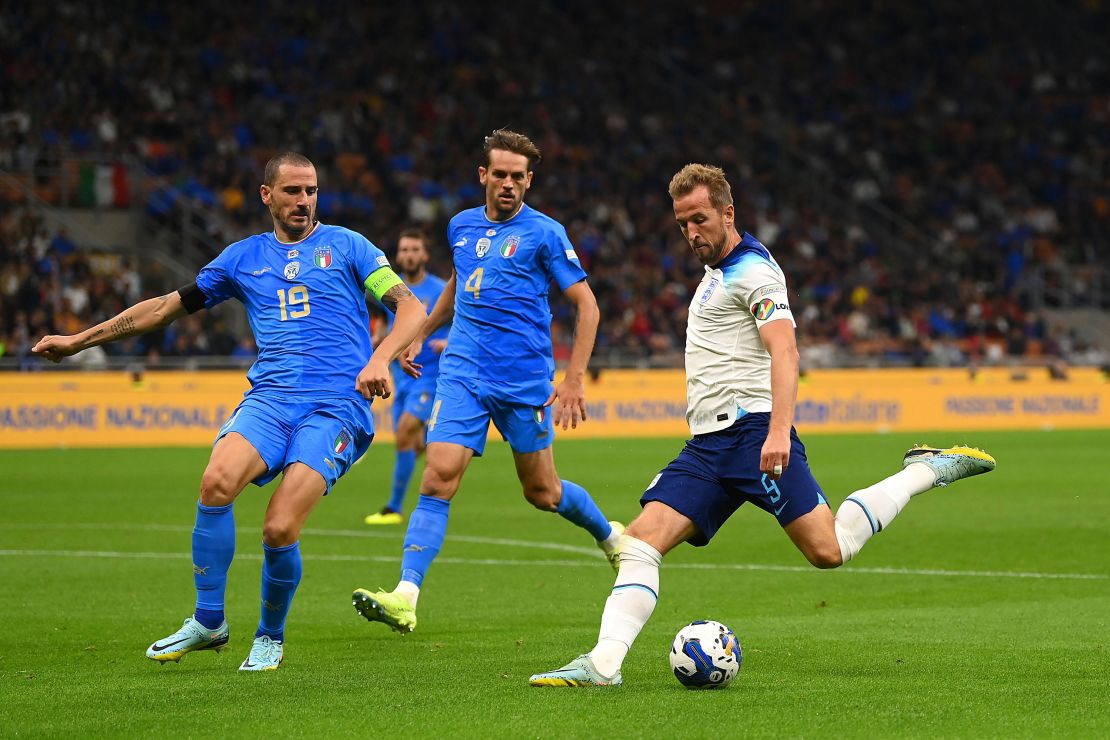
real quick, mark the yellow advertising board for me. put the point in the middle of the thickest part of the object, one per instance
(78, 409)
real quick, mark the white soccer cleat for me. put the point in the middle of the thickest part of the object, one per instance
(192, 636)
(266, 655)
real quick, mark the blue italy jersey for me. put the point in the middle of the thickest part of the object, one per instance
(427, 290)
(501, 336)
(305, 302)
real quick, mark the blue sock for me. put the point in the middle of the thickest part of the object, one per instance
(213, 549)
(281, 572)
(427, 528)
(402, 472)
(577, 506)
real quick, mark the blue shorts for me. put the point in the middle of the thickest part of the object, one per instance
(414, 398)
(462, 412)
(326, 434)
(717, 472)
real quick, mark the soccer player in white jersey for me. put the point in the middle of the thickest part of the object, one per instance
(741, 385)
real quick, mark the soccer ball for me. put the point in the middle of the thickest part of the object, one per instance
(705, 655)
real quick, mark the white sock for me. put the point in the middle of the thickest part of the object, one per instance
(409, 591)
(868, 512)
(629, 606)
(610, 543)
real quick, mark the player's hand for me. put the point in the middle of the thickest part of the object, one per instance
(54, 348)
(438, 345)
(408, 358)
(775, 456)
(571, 394)
(373, 380)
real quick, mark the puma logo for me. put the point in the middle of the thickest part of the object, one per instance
(199, 571)
(415, 548)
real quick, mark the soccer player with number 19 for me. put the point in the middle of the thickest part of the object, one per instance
(741, 385)
(307, 413)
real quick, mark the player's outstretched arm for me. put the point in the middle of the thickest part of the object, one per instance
(571, 393)
(375, 379)
(778, 337)
(441, 313)
(144, 316)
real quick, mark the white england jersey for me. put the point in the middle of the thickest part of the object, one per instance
(728, 370)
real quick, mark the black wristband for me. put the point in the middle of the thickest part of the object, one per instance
(192, 297)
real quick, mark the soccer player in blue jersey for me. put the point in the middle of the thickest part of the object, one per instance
(498, 366)
(307, 413)
(412, 397)
(741, 385)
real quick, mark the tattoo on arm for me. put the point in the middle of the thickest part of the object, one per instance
(122, 327)
(96, 334)
(394, 295)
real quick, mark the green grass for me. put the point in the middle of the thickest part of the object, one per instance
(849, 653)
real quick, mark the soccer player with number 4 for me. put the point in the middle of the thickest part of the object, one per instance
(307, 413)
(741, 385)
(498, 366)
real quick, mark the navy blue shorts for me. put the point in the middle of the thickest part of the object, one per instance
(717, 472)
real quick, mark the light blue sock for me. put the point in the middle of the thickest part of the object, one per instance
(402, 473)
(213, 549)
(427, 528)
(281, 572)
(577, 506)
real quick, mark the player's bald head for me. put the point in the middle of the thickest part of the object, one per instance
(693, 176)
(273, 167)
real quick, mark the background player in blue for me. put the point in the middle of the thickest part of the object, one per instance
(307, 413)
(741, 385)
(412, 397)
(498, 365)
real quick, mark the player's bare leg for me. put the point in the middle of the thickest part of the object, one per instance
(443, 471)
(657, 531)
(828, 542)
(233, 464)
(300, 490)
(543, 488)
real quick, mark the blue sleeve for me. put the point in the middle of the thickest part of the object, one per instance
(365, 257)
(562, 262)
(215, 279)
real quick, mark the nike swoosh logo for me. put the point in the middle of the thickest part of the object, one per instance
(169, 644)
(779, 510)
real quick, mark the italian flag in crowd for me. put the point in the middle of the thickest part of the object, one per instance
(103, 185)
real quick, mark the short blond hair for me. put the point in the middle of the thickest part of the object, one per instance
(694, 175)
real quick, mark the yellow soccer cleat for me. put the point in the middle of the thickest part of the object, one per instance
(613, 555)
(385, 607)
(385, 516)
(950, 464)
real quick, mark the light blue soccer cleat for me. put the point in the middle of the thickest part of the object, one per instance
(266, 655)
(192, 636)
(950, 464)
(578, 672)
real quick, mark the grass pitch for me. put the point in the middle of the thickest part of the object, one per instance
(983, 612)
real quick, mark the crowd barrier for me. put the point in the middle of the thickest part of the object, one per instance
(162, 409)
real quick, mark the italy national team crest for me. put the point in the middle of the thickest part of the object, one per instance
(341, 442)
(292, 270)
(322, 257)
(481, 247)
(538, 413)
(508, 249)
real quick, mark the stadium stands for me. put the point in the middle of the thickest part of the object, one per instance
(922, 171)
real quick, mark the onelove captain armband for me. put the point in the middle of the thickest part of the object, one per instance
(381, 280)
(192, 297)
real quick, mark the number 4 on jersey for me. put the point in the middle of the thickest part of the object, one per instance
(474, 283)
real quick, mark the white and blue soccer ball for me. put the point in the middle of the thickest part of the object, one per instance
(705, 655)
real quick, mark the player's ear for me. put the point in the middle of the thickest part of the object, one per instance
(528, 180)
(729, 214)
(264, 191)
(482, 175)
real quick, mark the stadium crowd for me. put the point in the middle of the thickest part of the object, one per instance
(913, 167)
